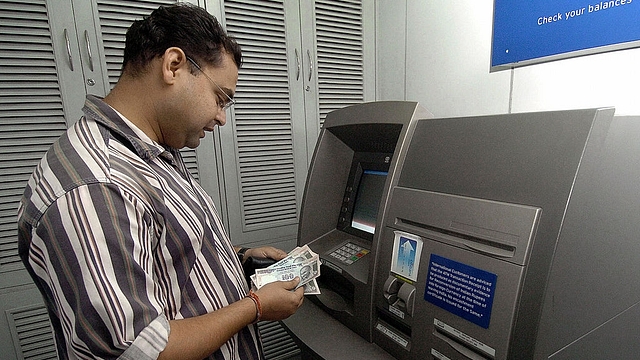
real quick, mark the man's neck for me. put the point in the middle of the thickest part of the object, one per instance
(134, 104)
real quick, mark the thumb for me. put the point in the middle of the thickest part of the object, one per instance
(291, 284)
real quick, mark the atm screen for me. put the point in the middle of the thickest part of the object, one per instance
(367, 201)
(363, 193)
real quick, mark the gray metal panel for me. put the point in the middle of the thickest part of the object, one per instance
(381, 112)
(594, 275)
(326, 182)
(325, 338)
(529, 159)
(616, 339)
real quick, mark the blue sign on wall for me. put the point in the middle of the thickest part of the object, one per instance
(535, 31)
(461, 289)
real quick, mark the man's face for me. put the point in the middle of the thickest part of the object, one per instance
(199, 104)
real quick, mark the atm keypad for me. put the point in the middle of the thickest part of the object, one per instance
(349, 253)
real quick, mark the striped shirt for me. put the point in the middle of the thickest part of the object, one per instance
(120, 239)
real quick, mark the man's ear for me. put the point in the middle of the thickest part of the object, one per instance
(173, 60)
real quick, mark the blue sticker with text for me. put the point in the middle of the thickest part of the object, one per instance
(525, 30)
(461, 289)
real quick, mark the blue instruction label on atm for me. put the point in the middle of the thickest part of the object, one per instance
(461, 289)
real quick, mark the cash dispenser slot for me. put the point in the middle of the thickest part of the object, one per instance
(336, 291)
(492, 228)
(485, 246)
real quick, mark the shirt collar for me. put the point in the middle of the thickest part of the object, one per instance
(147, 149)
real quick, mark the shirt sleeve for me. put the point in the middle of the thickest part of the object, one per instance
(95, 249)
(150, 342)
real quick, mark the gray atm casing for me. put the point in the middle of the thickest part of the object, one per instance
(549, 202)
(369, 128)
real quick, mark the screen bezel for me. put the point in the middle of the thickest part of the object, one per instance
(362, 161)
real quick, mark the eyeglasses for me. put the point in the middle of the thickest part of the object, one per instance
(222, 103)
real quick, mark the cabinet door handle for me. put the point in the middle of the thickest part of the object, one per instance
(310, 64)
(66, 39)
(297, 65)
(86, 39)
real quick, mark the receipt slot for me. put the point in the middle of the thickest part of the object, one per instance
(503, 238)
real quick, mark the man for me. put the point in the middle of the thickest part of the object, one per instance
(126, 248)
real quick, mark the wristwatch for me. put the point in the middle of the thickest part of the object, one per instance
(241, 253)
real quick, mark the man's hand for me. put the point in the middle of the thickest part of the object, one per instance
(278, 301)
(196, 337)
(265, 252)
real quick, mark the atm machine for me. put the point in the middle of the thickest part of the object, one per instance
(347, 183)
(512, 237)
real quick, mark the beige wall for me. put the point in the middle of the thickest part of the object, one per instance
(438, 53)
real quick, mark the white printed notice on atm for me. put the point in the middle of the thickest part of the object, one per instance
(405, 259)
(461, 289)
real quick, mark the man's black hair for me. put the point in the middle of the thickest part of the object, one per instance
(189, 27)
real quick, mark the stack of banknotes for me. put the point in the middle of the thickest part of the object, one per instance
(301, 262)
